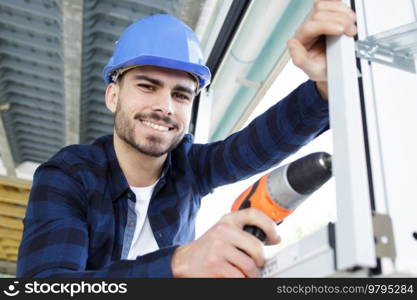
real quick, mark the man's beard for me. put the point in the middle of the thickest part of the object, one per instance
(125, 129)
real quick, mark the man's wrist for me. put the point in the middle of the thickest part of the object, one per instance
(177, 264)
(321, 87)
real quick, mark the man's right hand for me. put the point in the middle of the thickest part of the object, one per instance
(225, 250)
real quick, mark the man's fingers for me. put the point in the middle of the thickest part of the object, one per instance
(238, 239)
(252, 216)
(335, 6)
(313, 29)
(308, 47)
(315, 1)
(315, 68)
(328, 17)
(297, 51)
(241, 261)
(225, 250)
(229, 271)
(333, 16)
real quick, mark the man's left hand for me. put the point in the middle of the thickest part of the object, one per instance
(308, 48)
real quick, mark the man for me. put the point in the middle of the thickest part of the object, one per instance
(126, 205)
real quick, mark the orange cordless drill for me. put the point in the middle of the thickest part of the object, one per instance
(279, 192)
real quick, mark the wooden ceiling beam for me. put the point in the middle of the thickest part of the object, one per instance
(21, 184)
(11, 210)
(13, 196)
(12, 223)
(11, 234)
(10, 250)
(6, 242)
(12, 257)
(3, 256)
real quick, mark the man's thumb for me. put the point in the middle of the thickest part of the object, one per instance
(297, 52)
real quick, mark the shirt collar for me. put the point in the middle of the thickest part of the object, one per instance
(116, 178)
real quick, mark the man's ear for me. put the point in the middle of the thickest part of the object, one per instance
(112, 95)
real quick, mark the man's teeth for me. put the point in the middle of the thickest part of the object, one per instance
(155, 126)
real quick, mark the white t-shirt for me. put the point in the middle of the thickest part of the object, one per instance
(143, 239)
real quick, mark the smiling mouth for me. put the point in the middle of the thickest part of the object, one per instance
(158, 127)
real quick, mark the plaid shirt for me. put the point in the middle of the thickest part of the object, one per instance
(77, 216)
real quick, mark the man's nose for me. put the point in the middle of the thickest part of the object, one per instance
(163, 102)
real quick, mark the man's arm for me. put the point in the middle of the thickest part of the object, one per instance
(55, 240)
(266, 141)
(292, 122)
(271, 137)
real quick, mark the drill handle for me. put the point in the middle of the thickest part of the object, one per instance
(256, 231)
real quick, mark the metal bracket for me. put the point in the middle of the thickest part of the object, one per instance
(384, 236)
(396, 47)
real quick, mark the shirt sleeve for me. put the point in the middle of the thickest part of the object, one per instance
(55, 239)
(265, 142)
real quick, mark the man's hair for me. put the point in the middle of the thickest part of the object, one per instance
(120, 78)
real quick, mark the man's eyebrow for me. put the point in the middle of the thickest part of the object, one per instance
(178, 87)
(150, 79)
(181, 88)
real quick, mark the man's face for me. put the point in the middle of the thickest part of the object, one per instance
(153, 108)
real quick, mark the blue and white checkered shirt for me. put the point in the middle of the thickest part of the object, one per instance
(77, 214)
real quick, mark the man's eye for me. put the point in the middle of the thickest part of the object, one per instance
(181, 96)
(146, 86)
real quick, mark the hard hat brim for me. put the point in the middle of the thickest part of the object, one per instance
(201, 71)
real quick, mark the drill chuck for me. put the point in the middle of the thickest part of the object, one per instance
(282, 190)
(289, 185)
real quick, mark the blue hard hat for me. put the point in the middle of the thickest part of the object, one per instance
(159, 40)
